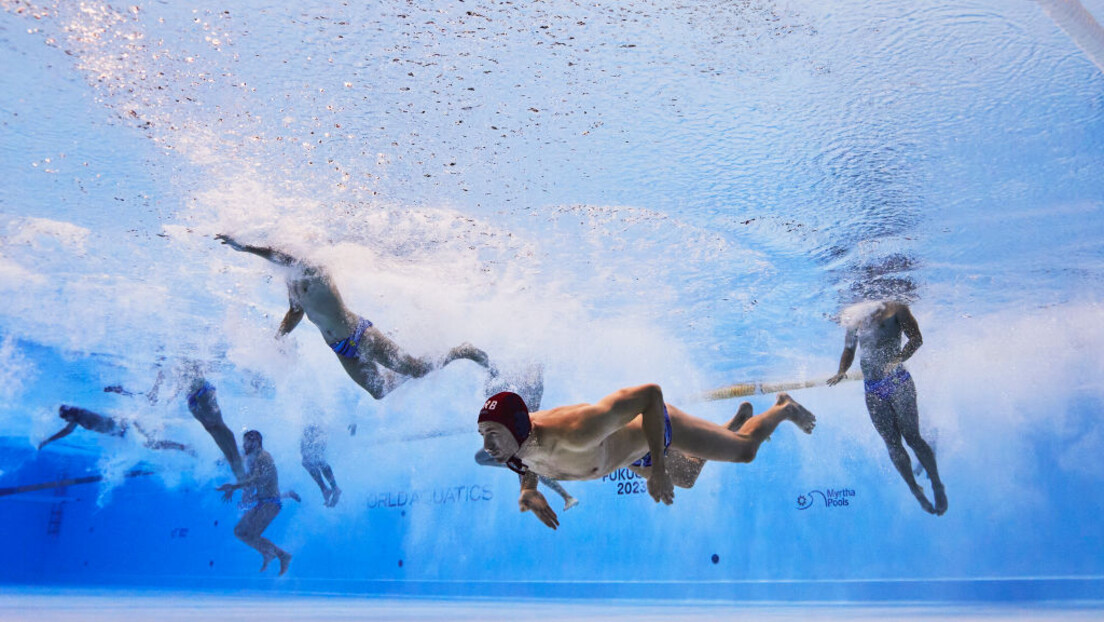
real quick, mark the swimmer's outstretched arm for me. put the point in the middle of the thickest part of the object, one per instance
(66, 431)
(151, 395)
(850, 343)
(270, 254)
(532, 499)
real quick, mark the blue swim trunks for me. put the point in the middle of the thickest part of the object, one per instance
(886, 387)
(646, 461)
(348, 347)
(193, 398)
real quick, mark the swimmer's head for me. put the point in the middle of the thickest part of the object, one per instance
(251, 441)
(67, 413)
(504, 424)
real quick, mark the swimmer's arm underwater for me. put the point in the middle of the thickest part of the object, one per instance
(253, 478)
(66, 431)
(850, 343)
(912, 332)
(265, 252)
(614, 412)
(532, 499)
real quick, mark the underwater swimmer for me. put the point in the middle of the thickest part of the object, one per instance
(111, 426)
(312, 447)
(262, 496)
(371, 359)
(202, 404)
(529, 384)
(631, 428)
(890, 391)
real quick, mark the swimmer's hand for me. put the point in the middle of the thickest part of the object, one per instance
(229, 241)
(535, 501)
(117, 388)
(834, 380)
(660, 486)
(227, 491)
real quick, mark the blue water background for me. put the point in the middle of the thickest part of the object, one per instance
(634, 193)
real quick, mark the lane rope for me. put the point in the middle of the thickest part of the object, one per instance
(745, 389)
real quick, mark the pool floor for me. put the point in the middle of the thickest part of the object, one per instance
(63, 605)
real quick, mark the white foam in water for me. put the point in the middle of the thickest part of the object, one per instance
(515, 177)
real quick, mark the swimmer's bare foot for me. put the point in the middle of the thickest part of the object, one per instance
(335, 494)
(570, 502)
(470, 352)
(923, 500)
(797, 413)
(940, 499)
(743, 413)
(285, 561)
(267, 560)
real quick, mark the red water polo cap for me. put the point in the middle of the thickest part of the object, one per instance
(509, 410)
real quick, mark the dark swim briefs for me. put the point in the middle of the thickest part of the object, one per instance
(886, 387)
(193, 398)
(349, 346)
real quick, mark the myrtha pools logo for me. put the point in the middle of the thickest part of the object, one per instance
(830, 497)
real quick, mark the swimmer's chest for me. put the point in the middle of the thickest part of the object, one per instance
(885, 331)
(571, 464)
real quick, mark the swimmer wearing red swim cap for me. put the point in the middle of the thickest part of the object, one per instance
(630, 428)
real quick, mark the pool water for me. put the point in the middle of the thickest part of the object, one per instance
(617, 194)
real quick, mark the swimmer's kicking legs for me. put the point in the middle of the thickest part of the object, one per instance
(371, 358)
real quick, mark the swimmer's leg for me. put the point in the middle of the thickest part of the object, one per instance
(316, 475)
(467, 351)
(377, 350)
(170, 445)
(226, 442)
(704, 439)
(327, 472)
(252, 525)
(335, 492)
(155, 444)
(685, 469)
(884, 419)
(908, 422)
(742, 416)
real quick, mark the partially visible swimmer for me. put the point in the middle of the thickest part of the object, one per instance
(261, 497)
(529, 384)
(111, 426)
(890, 391)
(312, 447)
(371, 359)
(203, 406)
(631, 428)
